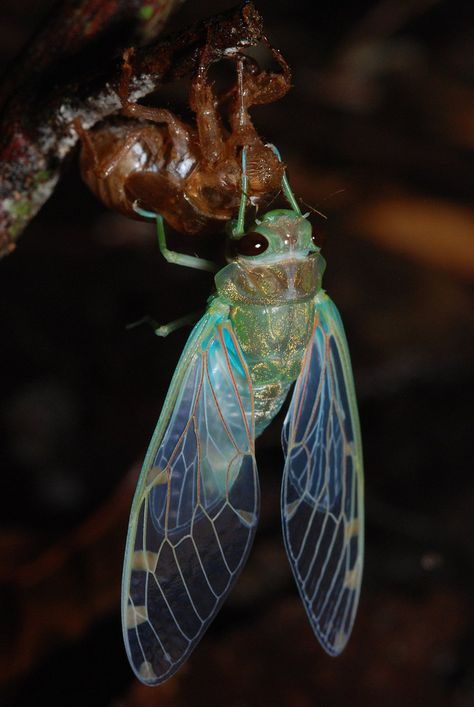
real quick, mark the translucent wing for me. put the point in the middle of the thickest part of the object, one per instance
(322, 492)
(195, 509)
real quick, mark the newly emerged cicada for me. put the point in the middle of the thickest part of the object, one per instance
(196, 506)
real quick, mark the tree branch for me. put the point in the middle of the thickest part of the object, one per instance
(34, 143)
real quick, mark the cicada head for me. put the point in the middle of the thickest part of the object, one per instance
(281, 234)
(275, 261)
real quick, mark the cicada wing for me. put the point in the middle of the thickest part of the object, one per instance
(195, 509)
(322, 491)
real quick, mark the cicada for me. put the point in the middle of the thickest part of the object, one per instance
(268, 326)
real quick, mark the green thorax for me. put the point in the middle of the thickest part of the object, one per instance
(272, 321)
(271, 297)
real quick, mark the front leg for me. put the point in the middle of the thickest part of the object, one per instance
(255, 86)
(181, 134)
(172, 256)
(102, 165)
(205, 106)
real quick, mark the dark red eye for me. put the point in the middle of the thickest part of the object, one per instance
(251, 244)
(314, 239)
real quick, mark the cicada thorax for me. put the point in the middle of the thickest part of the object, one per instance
(272, 312)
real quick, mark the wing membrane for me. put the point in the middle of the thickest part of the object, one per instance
(195, 509)
(322, 490)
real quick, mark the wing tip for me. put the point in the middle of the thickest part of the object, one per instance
(145, 672)
(334, 649)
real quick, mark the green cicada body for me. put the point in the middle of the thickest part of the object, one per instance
(196, 506)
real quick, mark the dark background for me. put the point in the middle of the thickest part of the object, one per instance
(376, 133)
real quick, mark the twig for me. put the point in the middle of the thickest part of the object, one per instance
(33, 144)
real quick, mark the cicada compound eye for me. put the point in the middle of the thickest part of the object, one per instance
(251, 244)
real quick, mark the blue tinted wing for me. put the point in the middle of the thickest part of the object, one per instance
(195, 509)
(322, 491)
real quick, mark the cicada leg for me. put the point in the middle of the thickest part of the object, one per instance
(179, 132)
(172, 256)
(179, 259)
(101, 166)
(255, 86)
(287, 191)
(203, 102)
(240, 224)
(166, 329)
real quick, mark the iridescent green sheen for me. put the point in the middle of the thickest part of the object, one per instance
(273, 338)
(271, 300)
